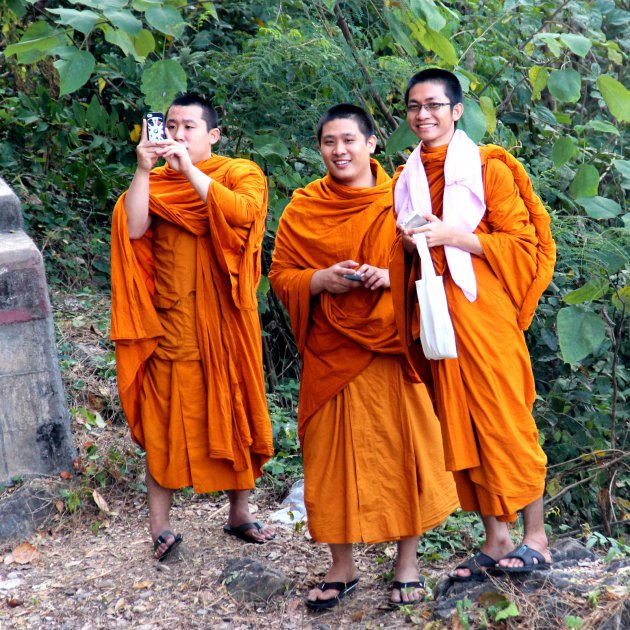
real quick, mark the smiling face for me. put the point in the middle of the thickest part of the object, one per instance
(346, 152)
(434, 128)
(187, 126)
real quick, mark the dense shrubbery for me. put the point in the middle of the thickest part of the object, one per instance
(543, 78)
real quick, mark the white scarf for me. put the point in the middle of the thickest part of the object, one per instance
(464, 201)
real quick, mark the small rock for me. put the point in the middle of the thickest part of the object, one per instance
(570, 551)
(249, 580)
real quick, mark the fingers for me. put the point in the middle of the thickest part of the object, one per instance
(143, 134)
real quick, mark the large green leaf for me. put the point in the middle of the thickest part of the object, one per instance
(538, 76)
(38, 39)
(143, 5)
(564, 149)
(623, 168)
(616, 95)
(577, 44)
(580, 332)
(585, 183)
(167, 20)
(489, 112)
(75, 67)
(473, 122)
(402, 138)
(162, 82)
(427, 9)
(599, 207)
(589, 291)
(441, 46)
(124, 20)
(605, 127)
(565, 85)
(101, 5)
(120, 38)
(271, 148)
(82, 21)
(144, 43)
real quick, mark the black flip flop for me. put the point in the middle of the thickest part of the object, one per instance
(476, 565)
(526, 555)
(161, 540)
(420, 583)
(240, 531)
(344, 588)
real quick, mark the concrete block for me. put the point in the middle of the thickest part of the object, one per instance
(35, 437)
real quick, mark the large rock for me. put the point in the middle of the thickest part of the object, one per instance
(35, 434)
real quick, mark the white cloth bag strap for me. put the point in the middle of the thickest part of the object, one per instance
(426, 262)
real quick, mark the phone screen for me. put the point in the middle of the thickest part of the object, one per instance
(155, 126)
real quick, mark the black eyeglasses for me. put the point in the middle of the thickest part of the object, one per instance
(415, 108)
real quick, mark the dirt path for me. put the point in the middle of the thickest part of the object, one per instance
(88, 577)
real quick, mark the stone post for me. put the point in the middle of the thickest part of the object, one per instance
(35, 436)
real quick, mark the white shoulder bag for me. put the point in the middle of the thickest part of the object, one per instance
(436, 328)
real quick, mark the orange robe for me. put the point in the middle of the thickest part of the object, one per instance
(186, 327)
(368, 432)
(484, 398)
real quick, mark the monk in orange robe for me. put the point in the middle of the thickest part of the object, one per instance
(484, 397)
(373, 467)
(186, 244)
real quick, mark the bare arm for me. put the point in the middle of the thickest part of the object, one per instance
(137, 197)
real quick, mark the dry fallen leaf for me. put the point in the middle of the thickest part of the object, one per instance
(64, 474)
(14, 602)
(100, 501)
(142, 585)
(24, 553)
(60, 506)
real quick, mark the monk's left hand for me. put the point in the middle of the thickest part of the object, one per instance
(175, 153)
(374, 277)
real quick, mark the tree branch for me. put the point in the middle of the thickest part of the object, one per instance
(343, 25)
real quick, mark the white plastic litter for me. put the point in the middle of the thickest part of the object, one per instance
(292, 509)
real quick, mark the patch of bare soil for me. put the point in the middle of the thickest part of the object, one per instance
(92, 567)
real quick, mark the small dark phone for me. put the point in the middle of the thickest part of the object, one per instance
(353, 276)
(155, 127)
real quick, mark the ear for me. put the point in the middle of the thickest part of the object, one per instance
(371, 142)
(214, 134)
(458, 111)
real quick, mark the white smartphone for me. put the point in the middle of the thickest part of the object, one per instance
(413, 220)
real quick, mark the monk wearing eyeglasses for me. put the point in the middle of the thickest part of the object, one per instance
(489, 238)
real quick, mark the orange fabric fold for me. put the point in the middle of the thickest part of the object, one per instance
(378, 435)
(336, 334)
(227, 231)
(484, 398)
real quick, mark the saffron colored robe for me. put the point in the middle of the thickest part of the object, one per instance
(186, 328)
(484, 398)
(372, 446)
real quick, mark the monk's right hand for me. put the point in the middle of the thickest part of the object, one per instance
(146, 151)
(332, 278)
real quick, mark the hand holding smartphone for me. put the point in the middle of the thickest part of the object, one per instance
(356, 277)
(155, 127)
(413, 220)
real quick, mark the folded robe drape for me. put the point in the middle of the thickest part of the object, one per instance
(484, 398)
(227, 231)
(372, 445)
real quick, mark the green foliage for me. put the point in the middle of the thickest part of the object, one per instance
(544, 79)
